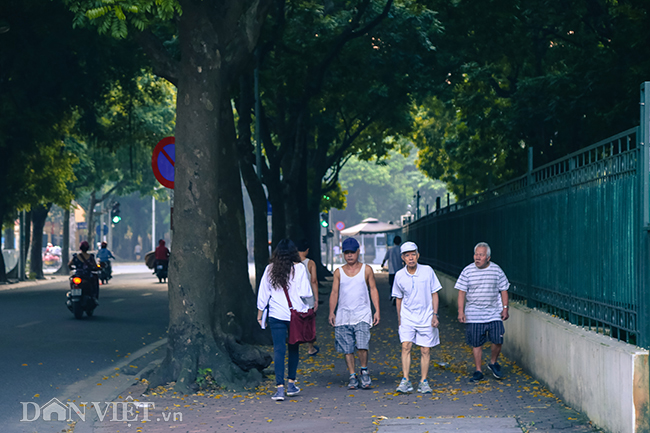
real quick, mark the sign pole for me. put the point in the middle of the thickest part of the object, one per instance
(153, 223)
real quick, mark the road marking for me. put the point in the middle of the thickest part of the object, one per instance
(147, 294)
(25, 325)
(117, 300)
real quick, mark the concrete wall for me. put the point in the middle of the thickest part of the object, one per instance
(605, 379)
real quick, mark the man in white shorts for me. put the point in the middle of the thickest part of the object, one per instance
(416, 289)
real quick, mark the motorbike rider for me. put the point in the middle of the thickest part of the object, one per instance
(104, 255)
(84, 263)
(162, 255)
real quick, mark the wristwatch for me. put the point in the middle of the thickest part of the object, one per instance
(505, 306)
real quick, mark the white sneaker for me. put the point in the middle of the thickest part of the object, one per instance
(405, 386)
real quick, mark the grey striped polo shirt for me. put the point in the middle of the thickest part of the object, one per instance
(483, 286)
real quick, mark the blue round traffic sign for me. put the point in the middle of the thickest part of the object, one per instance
(163, 161)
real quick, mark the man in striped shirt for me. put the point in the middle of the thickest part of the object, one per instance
(483, 306)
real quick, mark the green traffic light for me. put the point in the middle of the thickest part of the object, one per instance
(324, 223)
(117, 219)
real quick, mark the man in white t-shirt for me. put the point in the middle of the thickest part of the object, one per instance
(416, 289)
(483, 306)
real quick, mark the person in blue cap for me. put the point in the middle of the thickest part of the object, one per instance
(352, 289)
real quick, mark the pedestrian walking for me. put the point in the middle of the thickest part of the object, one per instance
(394, 258)
(483, 306)
(416, 292)
(285, 277)
(310, 266)
(352, 289)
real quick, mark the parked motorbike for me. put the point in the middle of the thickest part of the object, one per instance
(105, 272)
(83, 294)
(161, 270)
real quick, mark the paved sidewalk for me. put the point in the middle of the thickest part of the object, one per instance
(517, 403)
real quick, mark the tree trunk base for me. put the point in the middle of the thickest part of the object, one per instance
(234, 366)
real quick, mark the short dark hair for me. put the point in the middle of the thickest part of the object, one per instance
(397, 240)
(302, 245)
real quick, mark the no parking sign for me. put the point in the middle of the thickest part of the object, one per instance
(163, 161)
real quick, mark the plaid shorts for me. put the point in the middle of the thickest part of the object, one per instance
(476, 334)
(346, 335)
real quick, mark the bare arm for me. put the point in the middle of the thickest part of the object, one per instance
(398, 305)
(334, 296)
(435, 303)
(461, 306)
(505, 313)
(374, 294)
(314, 282)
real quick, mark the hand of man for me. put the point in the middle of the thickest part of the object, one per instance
(435, 321)
(505, 314)
(375, 321)
(332, 319)
(461, 317)
(315, 306)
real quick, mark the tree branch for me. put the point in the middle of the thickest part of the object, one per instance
(349, 33)
(163, 64)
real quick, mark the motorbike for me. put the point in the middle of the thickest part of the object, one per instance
(82, 294)
(161, 270)
(105, 272)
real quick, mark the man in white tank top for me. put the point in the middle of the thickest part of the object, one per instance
(310, 265)
(353, 318)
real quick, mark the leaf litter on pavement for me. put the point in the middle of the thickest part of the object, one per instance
(450, 368)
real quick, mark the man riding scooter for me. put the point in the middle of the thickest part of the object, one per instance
(104, 255)
(162, 261)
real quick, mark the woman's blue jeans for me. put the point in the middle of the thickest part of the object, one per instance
(279, 333)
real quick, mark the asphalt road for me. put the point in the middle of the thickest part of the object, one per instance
(45, 352)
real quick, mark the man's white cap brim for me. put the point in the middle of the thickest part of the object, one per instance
(408, 246)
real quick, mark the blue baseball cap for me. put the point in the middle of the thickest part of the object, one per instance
(350, 244)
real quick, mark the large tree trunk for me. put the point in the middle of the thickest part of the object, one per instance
(39, 215)
(252, 180)
(278, 216)
(260, 220)
(65, 245)
(212, 307)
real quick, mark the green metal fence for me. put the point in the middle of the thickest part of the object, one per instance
(572, 235)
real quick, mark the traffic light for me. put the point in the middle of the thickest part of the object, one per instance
(324, 219)
(115, 213)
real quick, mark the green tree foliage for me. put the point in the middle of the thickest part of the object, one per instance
(337, 80)
(555, 76)
(44, 81)
(385, 189)
(115, 145)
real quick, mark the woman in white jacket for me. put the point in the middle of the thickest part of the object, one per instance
(284, 271)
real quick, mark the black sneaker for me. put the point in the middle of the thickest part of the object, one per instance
(476, 377)
(496, 370)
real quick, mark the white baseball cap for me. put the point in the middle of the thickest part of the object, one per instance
(408, 246)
